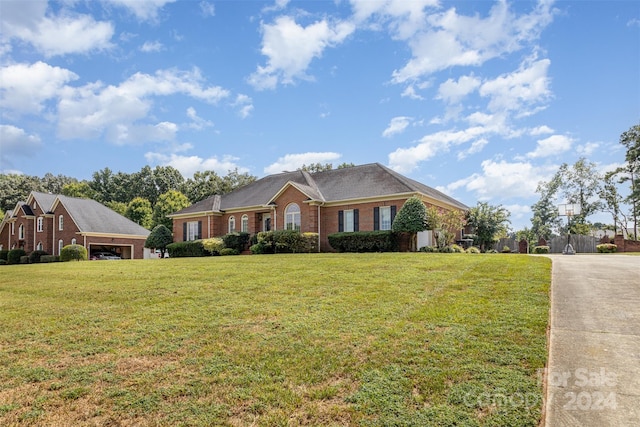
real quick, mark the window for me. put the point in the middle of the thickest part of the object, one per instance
(60, 246)
(383, 217)
(39, 247)
(348, 220)
(244, 224)
(21, 232)
(73, 241)
(35, 205)
(40, 224)
(13, 228)
(60, 223)
(292, 217)
(193, 230)
(232, 224)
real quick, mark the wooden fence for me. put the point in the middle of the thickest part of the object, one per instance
(581, 244)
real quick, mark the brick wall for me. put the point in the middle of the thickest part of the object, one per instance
(626, 245)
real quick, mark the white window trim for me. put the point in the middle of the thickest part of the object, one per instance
(21, 232)
(349, 220)
(244, 223)
(232, 224)
(385, 218)
(290, 218)
(192, 230)
(60, 223)
(60, 246)
(40, 224)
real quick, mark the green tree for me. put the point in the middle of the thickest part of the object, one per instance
(139, 211)
(488, 222)
(202, 185)
(444, 224)
(234, 180)
(15, 188)
(80, 190)
(546, 220)
(631, 141)
(581, 185)
(168, 203)
(411, 218)
(159, 238)
(613, 202)
(117, 207)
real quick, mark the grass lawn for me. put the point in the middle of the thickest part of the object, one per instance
(275, 340)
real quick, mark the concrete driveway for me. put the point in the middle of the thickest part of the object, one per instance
(593, 374)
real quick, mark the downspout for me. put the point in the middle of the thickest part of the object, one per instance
(34, 233)
(319, 229)
(53, 240)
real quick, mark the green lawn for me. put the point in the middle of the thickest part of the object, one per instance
(275, 340)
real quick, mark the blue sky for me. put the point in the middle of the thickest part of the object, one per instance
(479, 99)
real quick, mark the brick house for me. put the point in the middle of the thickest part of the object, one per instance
(359, 198)
(48, 222)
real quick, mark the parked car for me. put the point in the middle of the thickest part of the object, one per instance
(104, 255)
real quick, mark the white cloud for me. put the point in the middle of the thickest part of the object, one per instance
(405, 160)
(522, 88)
(116, 111)
(410, 92)
(396, 126)
(551, 146)
(244, 104)
(453, 91)
(500, 180)
(188, 165)
(207, 9)
(449, 39)
(291, 162)
(541, 130)
(290, 48)
(53, 35)
(197, 123)
(25, 87)
(404, 18)
(476, 147)
(143, 10)
(586, 150)
(16, 142)
(152, 46)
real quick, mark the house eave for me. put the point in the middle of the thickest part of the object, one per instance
(111, 235)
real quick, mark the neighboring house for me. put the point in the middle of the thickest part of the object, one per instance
(48, 222)
(358, 198)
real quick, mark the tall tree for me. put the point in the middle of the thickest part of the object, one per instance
(234, 180)
(139, 211)
(202, 185)
(168, 203)
(488, 222)
(81, 190)
(631, 141)
(159, 238)
(412, 219)
(444, 224)
(545, 220)
(613, 202)
(103, 185)
(580, 184)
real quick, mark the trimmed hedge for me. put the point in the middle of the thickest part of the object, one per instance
(284, 241)
(237, 241)
(34, 257)
(4, 255)
(364, 241)
(49, 258)
(607, 248)
(73, 253)
(541, 250)
(14, 255)
(193, 248)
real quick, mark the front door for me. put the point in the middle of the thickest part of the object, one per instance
(266, 222)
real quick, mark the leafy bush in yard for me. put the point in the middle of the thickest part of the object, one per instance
(364, 241)
(237, 240)
(14, 255)
(49, 258)
(284, 241)
(457, 249)
(429, 249)
(213, 245)
(191, 248)
(24, 259)
(607, 248)
(541, 250)
(34, 257)
(229, 251)
(3, 255)
(506, 250)
(3, 261)
(73, 253)
(473, 250)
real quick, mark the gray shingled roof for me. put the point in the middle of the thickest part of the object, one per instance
(93, 217)
(44, 200)
(357, 182)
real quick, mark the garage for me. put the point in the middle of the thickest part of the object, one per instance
(123, 251)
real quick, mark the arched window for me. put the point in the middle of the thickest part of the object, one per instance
(21, 232)
(60, 246)
(292, 217)
(39, 247)
(73, 241)
(244, 224)
(232, 224)
(60, 223)
(40, 224)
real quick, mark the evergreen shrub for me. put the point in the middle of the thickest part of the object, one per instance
(73, 253)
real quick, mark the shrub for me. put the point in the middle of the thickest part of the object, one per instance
(473, 250)
(429, 249)
(258, 249)
(310, 242)
(73, 253)
(3, 255)
(237, 240)
(213, 245)
(541, 250)
(364, 241)
(506, 250)
(24, 259)
(457, 249)
(192, 248)
(229, 251)
(49, 258)
(34, 257)
(3, 261)
(14, 255)
(607, 248)
(289, 241)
